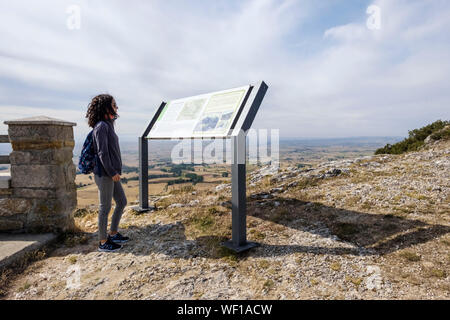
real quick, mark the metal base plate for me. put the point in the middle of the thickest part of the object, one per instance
(248, 245)
(141, 210)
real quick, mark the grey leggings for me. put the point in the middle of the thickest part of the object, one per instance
(107, 190)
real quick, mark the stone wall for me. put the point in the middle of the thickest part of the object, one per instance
(42, 196)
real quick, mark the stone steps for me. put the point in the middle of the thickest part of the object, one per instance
(14, 247)
(5, 180)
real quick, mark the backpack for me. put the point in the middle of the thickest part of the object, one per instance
(86, 163)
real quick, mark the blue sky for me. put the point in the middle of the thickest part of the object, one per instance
(329, 75)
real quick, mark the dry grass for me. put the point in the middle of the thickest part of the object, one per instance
(8, 275)
(410, 256)
(72, 239)
(436, 273)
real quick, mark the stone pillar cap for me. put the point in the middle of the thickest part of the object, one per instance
(40, 120)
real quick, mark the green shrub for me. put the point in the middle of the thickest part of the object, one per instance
(416, 138)
(128, 169)
(443, 134)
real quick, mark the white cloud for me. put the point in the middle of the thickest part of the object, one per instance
(348, 32)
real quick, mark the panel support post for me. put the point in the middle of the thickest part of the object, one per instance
(143, 175)
(143, 164)
(239, 242)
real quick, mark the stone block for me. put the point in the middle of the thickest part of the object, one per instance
(13, 206)
(25, 144)
(37, 176)
(40, 137)
(34, 193)
(58, 206)
(10, 224)
(47, 156)
(49, 222)
(43, 191)
(70, 173)
(4, 193)
(40, 132)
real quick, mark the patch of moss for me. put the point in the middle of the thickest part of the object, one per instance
(25, 286)
(410, 256)
(335, 266)
(73, 259)
(203, 223)
(256, 234)
(268, 284)
(355, 281)
(314, 282)
(437, 273)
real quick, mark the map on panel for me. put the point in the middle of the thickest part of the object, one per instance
(207, 115)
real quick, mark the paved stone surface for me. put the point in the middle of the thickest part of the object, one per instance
(14, 246)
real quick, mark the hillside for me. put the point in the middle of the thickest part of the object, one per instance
(374, 227)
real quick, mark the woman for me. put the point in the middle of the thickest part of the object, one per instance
(101, 114)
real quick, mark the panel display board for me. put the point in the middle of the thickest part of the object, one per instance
(207, 115)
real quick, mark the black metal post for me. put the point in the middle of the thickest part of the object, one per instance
(143, 174)
(239, 242)
(143, 163)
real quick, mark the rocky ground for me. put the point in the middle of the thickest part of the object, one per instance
(370, 228)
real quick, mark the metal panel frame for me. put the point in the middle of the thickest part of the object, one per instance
(143, 163)
(237, 134)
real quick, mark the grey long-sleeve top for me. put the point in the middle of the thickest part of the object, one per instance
(107, 147)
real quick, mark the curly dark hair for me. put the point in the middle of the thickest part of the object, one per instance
(100, 106)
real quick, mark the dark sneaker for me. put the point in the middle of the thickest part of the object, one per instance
(109, 246)
(118, 238)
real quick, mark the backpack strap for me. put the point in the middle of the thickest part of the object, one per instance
(96, 159)
(93, 142)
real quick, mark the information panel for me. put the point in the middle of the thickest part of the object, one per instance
(207, 115)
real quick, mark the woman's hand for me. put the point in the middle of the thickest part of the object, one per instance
(116, 178)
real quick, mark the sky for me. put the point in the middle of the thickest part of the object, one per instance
(333, 69)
